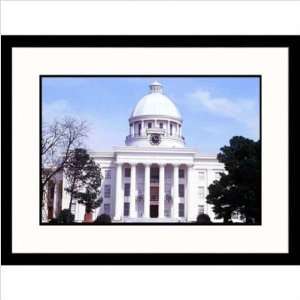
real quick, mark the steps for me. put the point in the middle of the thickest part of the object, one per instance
(152, 220)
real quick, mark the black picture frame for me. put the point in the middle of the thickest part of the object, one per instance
(10, 258)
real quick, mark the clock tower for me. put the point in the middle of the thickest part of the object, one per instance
(155, 121)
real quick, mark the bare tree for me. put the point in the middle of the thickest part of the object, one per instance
(57, 142)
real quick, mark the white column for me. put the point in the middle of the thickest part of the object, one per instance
(66, 197)
(119, 196)
(45, 195)
(77, 216)
(147, 192)
(132, 212)
(161, 191)
(79, 212)
(190, 210)
(168, 128)
(143, 128)
(175, 192)
(55, 200)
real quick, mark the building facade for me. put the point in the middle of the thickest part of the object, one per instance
(155, 177)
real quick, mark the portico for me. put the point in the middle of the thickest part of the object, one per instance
(157, 195)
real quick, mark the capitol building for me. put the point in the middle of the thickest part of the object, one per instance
(154, 177)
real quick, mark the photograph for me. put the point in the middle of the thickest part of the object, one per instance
(150, 150)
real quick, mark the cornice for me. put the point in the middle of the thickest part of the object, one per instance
(132, 149)
(155, 117)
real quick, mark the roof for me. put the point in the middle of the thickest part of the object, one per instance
(156, 103)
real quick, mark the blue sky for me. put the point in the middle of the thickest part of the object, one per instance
(213, 108)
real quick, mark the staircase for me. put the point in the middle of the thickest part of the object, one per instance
(152, 220)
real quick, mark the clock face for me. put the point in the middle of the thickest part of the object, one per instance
(155, 139)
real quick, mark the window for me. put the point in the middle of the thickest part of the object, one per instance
(154, 175)
(140, 192)
(127, 189)
(217, 176)
(168, 189)
(149, 125)
(139, 129)
(107, 174)
(181, 173)
(201, 176)
(161, 125)
(200, 209)
(181, 210)
(126, 209)
(201, 192)
(127, 172)
(73, 208)
(171, 129)
(52, 191)
(181, 190)
(168, 197)
(140, 189)
(107, 191)
(106, 208)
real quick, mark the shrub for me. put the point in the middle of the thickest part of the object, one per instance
(203, 219)
(65, 217)
(103, 219)
(53, 221)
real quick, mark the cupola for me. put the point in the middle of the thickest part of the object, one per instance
(155, 121)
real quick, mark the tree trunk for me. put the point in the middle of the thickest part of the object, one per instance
(226, 219)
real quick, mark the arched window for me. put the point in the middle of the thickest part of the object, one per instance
(130, 129)
(139, 129)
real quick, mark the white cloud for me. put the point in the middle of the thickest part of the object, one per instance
(243, 111)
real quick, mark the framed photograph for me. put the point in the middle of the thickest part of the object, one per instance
(165, 150)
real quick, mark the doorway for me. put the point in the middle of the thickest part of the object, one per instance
(154, 196)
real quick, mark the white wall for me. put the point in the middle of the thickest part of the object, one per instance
(209, 171)
(208, 166)
(107, 181)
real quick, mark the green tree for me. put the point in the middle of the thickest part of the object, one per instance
(240, 189)
(84, 179)
(203, 219)
(103, 219)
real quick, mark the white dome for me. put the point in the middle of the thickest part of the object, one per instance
(156, 103)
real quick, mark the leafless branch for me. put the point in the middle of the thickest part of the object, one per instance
(57, 142)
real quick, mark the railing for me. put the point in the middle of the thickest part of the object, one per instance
(136, 136)
(155, 130)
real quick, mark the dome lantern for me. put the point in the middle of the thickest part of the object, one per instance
(156, 87)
